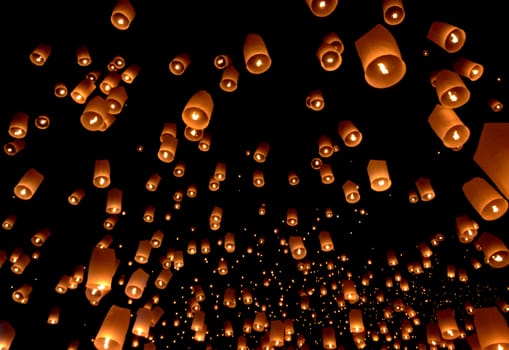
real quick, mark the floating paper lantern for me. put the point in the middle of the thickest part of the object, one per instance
(123, 14)
(256, 55)
(447, 36)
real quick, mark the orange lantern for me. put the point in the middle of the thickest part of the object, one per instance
(256, 55)
(485, 199)
(198, 110)
(123, 14)
(111, 334)
(447, 36)
(28, 184)
(179, 63)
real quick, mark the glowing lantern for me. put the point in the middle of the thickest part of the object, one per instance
(468, 68)
(12, 148)
(394, 12)
(116, 99)
(326, 174)
(258, 178)
(142, 323)
(143, 251)
(111, 334)
(356, 322)
(7, 335)
(22, 294)
(466, 228)
(379, 175)
(95, 115)
(261, 152)
(315, 100)
(130, 73)
(110, 81)
(9, 222)
(229, 79)
(349, 133)
(18, 125)
(326, 243)
(425, 189)
(136, 284)
(114, 201)
(291, 217)
(495, 104)
(40, 54)
(447, 36)
(256, 55)
(198, 110)
(491, 328)
(485, 199)
(28, 184)
(297, 247)
(179, 63)
(448, 127)
(496, 253)
(40, 237)
(123, 14)
(380, 57)
(322, 8)
(450, 88)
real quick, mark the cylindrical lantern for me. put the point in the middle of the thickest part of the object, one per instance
(256, 55)
(7, 334)
(378, 173)
(447, 36)
(258, 178)
(495, 104)
(22, 294)
(130, 73)
(153, 182)
(356, 322)
(325, 146)
(76, 196)
(114, 201)
(142, 322)
(60, 89)
(292, 218)
(198, 110)
(163, 278)
(136, 284)
(448, 127)
(102, 266)
(394, 12)
(40, 237)
(351, 192)
(466, 228)
(110, 80)
(222, 61)
(9, 222)
(468, 68)
(297, 247)
(261, 152)
(329, 56)
(446, 320)
(425, 189)
(315, 100)
(492, 154)
(123, 14)
(101, 173)
(205, 141)
(18, 125)
(40, 54)
(28, 184)
(229, 79)
(326, 243)
(179, 63)
(450, 88)
(380, 57)
(326, 174)
(496, 253)
(293, 178)
(168, 148)
(143, 251)
(116, 99)
(321, 8)
(21, 263)
(111, 334)
(148, 215)
(83, 90)
(12, 148)
(491, 328)
(220, 171)
(193, 134)
(95, 114)
(83, 57)
(349, 133)
(485, 199)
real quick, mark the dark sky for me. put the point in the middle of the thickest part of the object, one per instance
(268, 107)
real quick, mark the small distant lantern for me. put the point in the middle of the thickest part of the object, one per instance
(40, 54)
(83, 57)
(82, 91)
(28, 184)
(315, 100)
(349, 133)
(179, 63)
(18, 126)
(130, 73)
(229, 79)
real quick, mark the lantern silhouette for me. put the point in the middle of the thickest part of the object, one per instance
(380, 57)
(447, 36)
(28, 184)
(179, 63)
(450, 89)
(485, 199)
(111, 334)
(378, 174)
(256, 55)
(492, 154)
(198, 110)
(321, 8)
(123, 14)
(393, 11)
